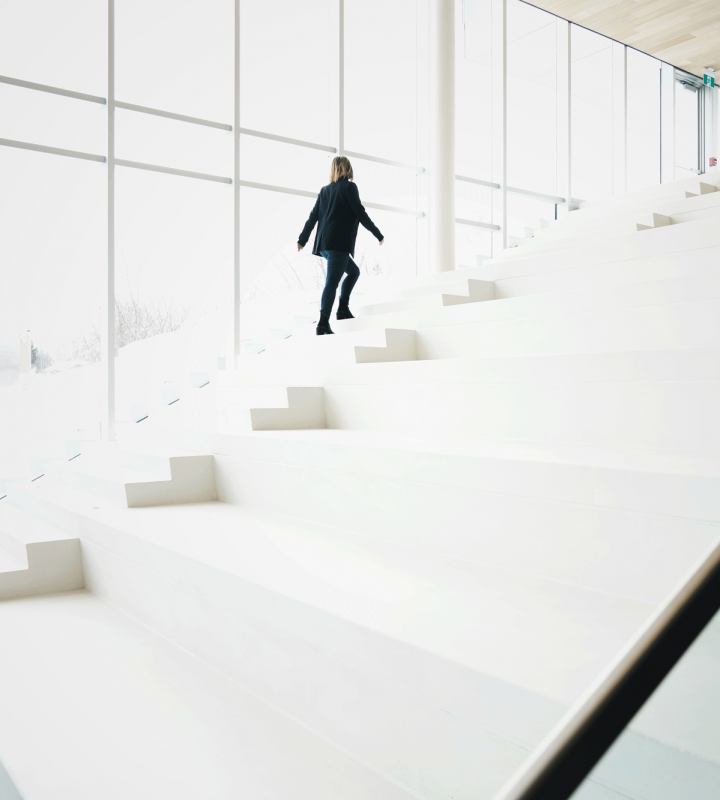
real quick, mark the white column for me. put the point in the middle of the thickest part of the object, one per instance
(236, 194)
(441, 205)
(562, 114)
(619, 117)
(499, 116)
(107, 323)
(667, 123)
(341, 78)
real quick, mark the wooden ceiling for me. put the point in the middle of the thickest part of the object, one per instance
(684, 33)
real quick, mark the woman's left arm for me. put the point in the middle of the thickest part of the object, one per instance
(360, 214)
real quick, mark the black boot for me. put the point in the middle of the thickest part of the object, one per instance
(343, 311)
(323, 327)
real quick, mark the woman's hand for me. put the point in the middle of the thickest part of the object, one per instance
(300, 247)
(382, 240)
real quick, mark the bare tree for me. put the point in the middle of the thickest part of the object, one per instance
(134, 320)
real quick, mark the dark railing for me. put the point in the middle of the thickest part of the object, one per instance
(571, 750)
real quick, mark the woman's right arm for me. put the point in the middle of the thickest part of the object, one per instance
(309, 225)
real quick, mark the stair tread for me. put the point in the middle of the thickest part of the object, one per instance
(623, 458)
(102, 469)
(453, 608)
(149, 719)
(27, 527)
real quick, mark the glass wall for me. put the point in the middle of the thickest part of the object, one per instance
(53, 245)
(316, 77)
(670, 747)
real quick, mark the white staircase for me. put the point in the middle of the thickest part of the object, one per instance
(415, 543)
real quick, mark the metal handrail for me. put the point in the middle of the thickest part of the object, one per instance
(580, 739)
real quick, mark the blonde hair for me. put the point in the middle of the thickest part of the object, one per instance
(341, 168)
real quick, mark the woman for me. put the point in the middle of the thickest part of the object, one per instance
(337, 211)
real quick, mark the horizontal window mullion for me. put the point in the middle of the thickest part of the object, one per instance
(268, 187)
(378, 160)
(156, 112)
(41, 87)
(477, 224)
(287, 140)
(56, 151)
(203, 176)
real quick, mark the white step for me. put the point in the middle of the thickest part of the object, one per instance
(424, 296)
(654, 399)
(682, 248)
(377, 344)
(678, 483)
(344, 680)
(423, 721)
(679, 206)
(36, 558)
(573, 239)
(270, 408)
(621, 241)
(696, 185)
(676, 314)
(111, 710)
(139, 476)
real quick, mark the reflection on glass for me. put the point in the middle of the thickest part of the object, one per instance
(176, 55)
(473, 88)
(643, 120)
(170, 143)
(53, 251)
(390, 186)
(531, 98)
(288, 68)
(52, 120)
(671, 748)
(591, 132)
(472, 245)
(68, 43)
(526, 215)
(280, 164)
(381, 75)
(173, 287)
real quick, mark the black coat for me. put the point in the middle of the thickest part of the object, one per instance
(337, 211)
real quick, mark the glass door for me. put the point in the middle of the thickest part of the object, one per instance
(688, 109)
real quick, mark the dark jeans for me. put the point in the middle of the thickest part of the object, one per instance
(338, 264)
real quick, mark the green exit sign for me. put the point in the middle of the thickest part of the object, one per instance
(708, 80)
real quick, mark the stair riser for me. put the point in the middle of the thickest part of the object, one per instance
(674, 414)
(11, 545)
(52, 567)
(193, 481)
